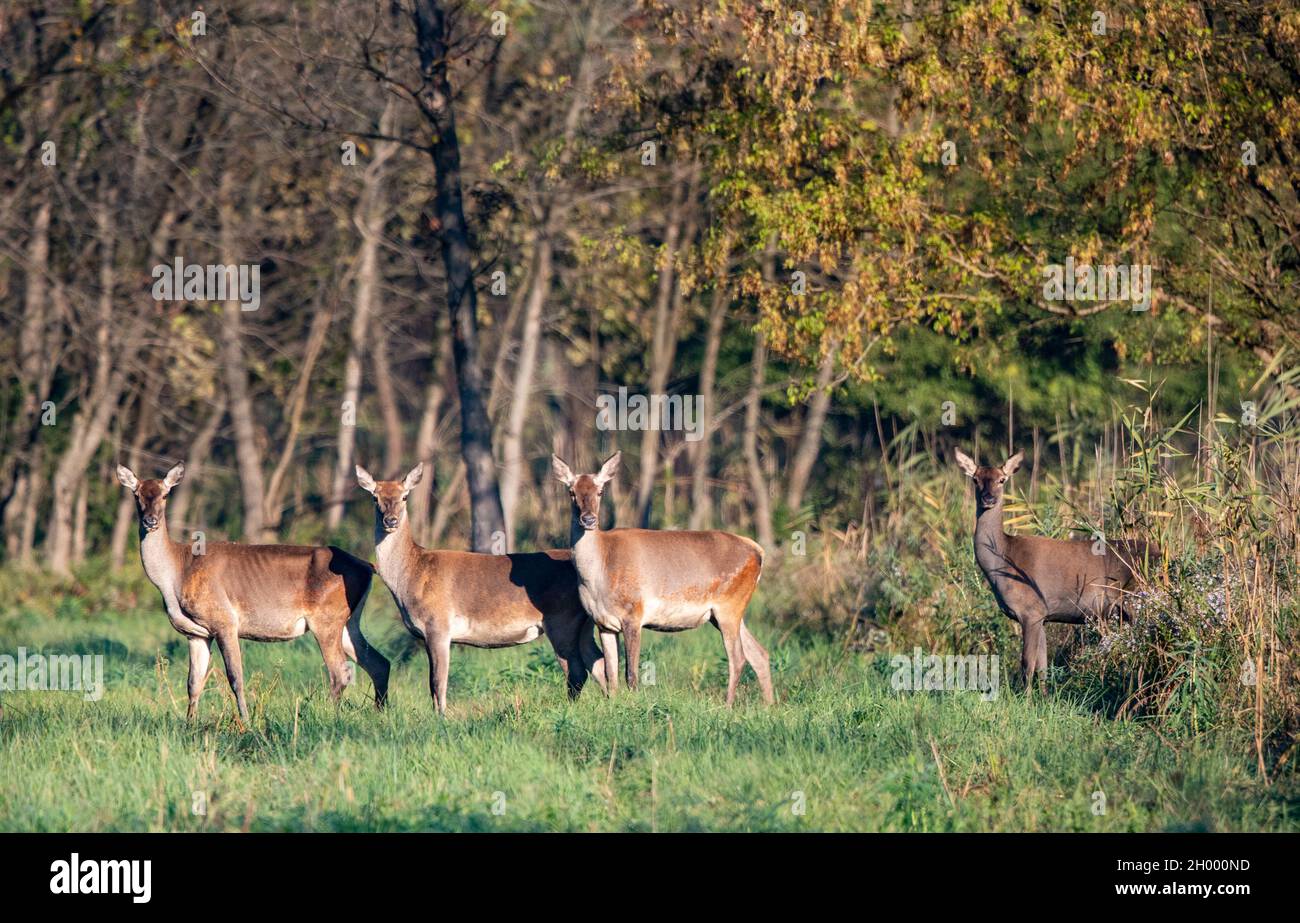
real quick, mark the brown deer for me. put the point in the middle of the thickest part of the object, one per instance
(479, 600)
(227, 591)
(1037, 579)
(630, 579)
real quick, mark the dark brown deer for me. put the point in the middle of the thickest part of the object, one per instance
(630, 579)
(1036, 579)
(480, 600)
(224, 591)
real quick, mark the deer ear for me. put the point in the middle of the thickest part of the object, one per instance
(365, 480)
(609, 469)
(562, 471)
(174, 476)
(1012, 464)
(413, 477)
(965, 463)
(127, 478)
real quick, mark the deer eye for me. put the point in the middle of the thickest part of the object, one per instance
(1003, 479)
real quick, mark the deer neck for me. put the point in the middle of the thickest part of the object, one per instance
(586, 551)
(394, 552)
(163, 559)
(990, 539)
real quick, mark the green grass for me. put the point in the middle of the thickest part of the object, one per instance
(669, 757)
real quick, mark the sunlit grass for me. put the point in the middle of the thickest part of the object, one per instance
(840, 751)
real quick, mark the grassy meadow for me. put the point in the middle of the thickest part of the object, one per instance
(839, 752)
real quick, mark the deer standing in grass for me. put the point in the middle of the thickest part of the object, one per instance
(480, 600)
(225, 591)
(1037, 579)
(630, 579)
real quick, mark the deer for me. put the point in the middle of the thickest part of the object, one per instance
(1036, 579)
(478, 600)
(633, 579)
(228, 592)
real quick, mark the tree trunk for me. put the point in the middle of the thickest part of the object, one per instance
(810, 439)
(435, 99)
(320, 324)
(426, 446)
(145, 416)
(442, 515)
(762, 505)
(98, 405)
(512, 454)
(31, 339)
(662, 349)
(182, 497)
(36, 348)
(368, 217)
(248, 456)
(79, 523)
(394, 449)
(701, 496)
(761, 501)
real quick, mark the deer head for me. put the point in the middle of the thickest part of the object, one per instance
(151, 495)
(390, 496)
(585, 489)
(989, 482)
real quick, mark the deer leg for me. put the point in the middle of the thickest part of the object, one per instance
(1042, 657)
(330, 640)
(632, 648)
(438, 648)
(200, 663)
(228, 644)
(758, 659)
(1032, 635)
(729, 626)
(591, 655)
(374, 663)
(563, 635)
(609, 646)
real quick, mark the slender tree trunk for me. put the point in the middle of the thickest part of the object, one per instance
(34, 357)
(446, 508)
(248, 456)
(145, 417)
(762, 504)
(79, 523)
(435, 99)
(761, 501)
(99, 406)
(663, 347)
(810, 439)
(31, 336)
(701, 496)
(394, 449)
(512, 453)
(31, 511)
(426, 446)
(368, 217)
(182, 497)
(320, 324)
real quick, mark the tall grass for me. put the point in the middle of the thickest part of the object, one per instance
(1212, 644)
